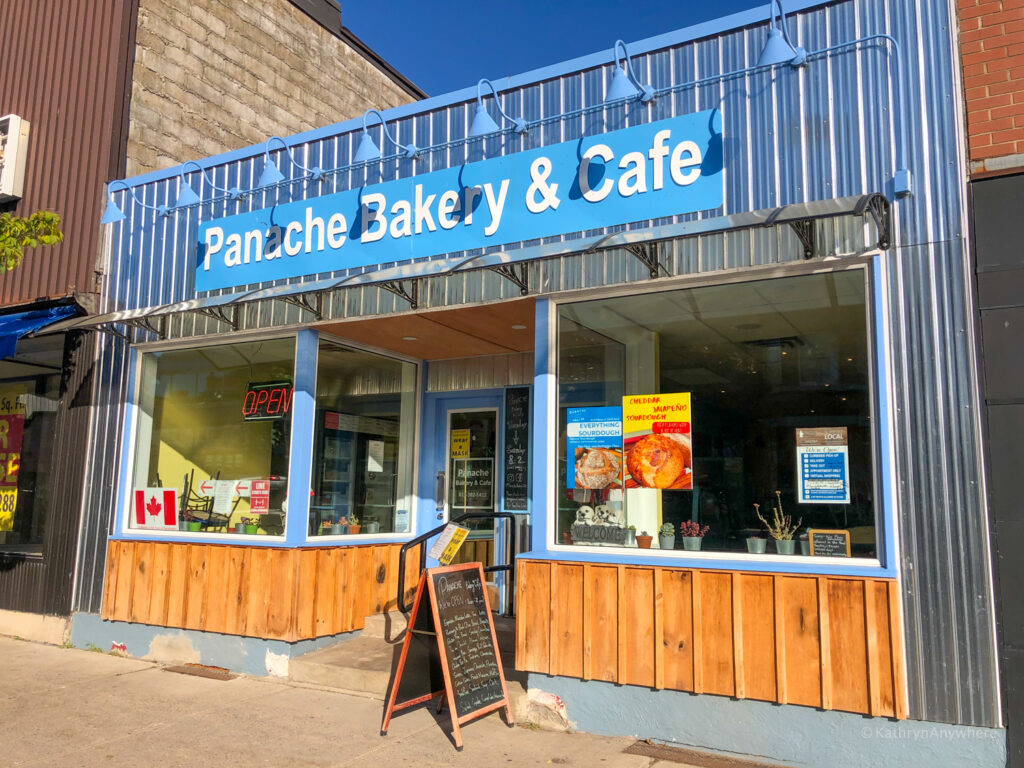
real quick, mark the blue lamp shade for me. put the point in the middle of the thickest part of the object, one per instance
(776, 49)
(112, 214)
(366, 150)
(186, 196)
(621, 87)
(271, 173)
(483, 123)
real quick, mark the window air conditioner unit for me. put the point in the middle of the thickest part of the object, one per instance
(13, 156)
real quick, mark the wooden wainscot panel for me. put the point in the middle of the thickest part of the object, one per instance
(829, 642)
(283, 594)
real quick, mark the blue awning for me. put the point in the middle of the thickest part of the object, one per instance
(18, 324)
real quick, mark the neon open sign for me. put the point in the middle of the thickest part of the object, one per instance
(269, 400)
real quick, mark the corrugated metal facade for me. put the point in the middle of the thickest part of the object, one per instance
(65, 71)
(790, 136)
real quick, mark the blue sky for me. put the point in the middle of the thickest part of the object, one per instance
(445, 45)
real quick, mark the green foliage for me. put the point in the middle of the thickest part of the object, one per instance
(18, 233)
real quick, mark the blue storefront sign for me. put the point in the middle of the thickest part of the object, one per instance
(649, 171)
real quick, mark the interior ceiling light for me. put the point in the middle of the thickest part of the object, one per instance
(410, 338)
(518, 327)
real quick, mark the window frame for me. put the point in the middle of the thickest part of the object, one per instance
(880, 389)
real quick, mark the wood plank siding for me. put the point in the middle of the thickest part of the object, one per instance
(277, 594)
(831, 642)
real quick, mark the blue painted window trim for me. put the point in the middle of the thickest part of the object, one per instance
(545, 421)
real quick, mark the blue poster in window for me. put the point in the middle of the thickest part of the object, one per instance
(823, 465)
(593, 447)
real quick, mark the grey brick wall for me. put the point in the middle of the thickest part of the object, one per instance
(215, 75)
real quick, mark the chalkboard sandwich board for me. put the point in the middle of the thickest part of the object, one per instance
(452, 650)
(517, 448)
(829, 543)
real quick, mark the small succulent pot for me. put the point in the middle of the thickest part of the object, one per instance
(194, 526)
(644, 542)
(692, 543)
(372, 527)
(805, 545)
(756, 545)
(667, 542)
(354, 528)
(630, 537)
(785, 546)
(239, 527)
(183, 524)
(251, 529)
(338, 529)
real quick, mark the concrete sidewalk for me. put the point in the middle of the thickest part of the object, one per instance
(67, 707)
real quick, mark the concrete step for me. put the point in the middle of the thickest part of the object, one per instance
(389, 626)
(361, 665)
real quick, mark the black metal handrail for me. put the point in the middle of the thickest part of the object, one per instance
(420, 540)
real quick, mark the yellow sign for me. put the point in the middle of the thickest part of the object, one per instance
(8, 503)
(656, 441)
(453, 546)
(460, 444)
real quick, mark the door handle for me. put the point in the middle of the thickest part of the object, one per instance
(440, 493)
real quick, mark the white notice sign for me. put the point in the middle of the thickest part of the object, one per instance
(374, 456)
(822, 465)
(222, 492)
(443, 540)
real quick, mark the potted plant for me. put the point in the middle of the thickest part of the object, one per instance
(781, 527)
(757, 544)
(667, 536)
(239, 527)
(353, 524)
(340, 527)
(194, 525)
(693, 534)
(252, 524)
(643, 540)
(630, 535)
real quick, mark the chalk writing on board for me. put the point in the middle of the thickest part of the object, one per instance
(517, 452)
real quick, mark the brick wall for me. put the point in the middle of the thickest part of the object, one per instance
(215, 75)
(992, 48)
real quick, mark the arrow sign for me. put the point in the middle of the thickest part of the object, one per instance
(206, 488)
(242, 488)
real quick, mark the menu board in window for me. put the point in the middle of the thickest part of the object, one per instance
(517, 448)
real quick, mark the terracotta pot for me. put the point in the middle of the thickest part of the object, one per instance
(354, 528)
(644, 542)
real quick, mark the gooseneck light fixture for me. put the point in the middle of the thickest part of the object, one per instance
(778, 48)
(113, 214)
(187, 196)
(624, 83)
(368, 150)
(483, 123)
(272, 174)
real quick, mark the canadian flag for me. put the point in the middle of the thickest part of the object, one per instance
(156, 508)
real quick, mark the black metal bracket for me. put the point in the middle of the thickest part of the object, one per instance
(804, 229)
(227, 314)
(302, 301)
(649, 256)
(146, 324)
(878, 208)
(519, 274)
(410, 294)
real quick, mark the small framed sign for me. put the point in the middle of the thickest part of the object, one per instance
(829, 543)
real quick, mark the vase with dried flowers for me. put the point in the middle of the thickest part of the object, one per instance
(780, 527)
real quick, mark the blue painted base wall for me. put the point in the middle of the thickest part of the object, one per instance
(791, 735)
(248, 655)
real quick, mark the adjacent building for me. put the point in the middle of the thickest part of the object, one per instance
(93, 92)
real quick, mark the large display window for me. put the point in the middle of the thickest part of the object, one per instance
(363, 435)
(30, 392)
(734, 418)
(213, 439)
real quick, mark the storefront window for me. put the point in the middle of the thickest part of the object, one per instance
(732, 418)
(214, 439)
(29, 399)
(362, 465)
